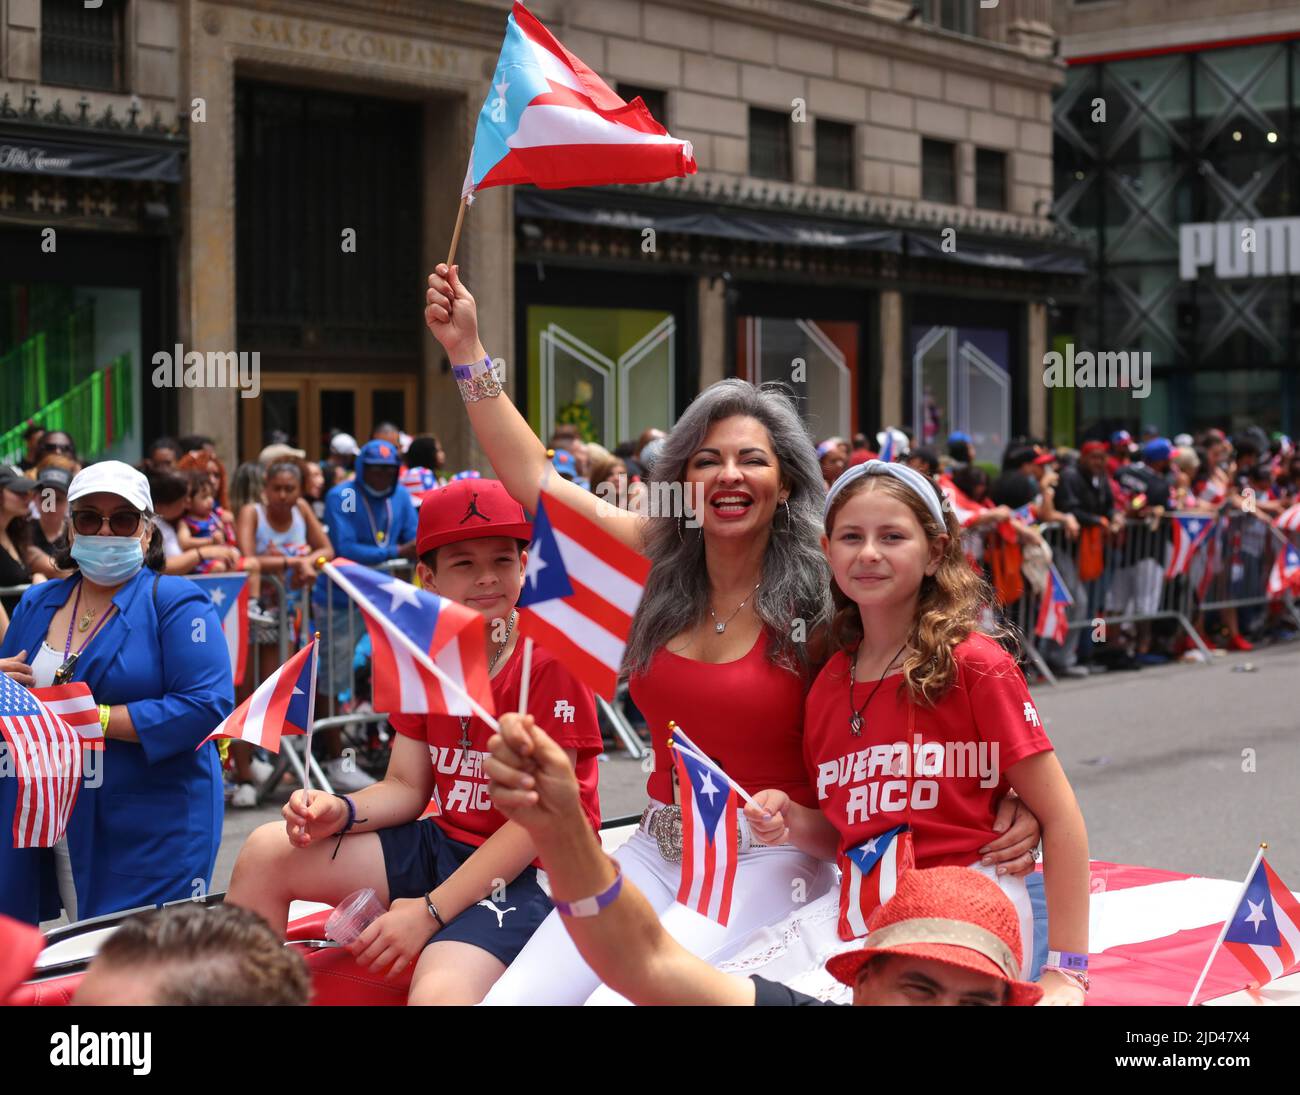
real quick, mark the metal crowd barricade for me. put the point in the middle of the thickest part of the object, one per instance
(293, 749)
(1228, 571)
(341, 628)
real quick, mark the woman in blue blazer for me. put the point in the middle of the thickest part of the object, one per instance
(147, 823)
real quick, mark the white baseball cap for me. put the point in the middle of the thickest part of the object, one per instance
(280, 452)
(344, 444)
(112, 477)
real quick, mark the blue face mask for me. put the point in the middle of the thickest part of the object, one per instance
(371, 490)
(108, 560)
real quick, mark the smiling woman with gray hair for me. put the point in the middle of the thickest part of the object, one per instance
(738, 591)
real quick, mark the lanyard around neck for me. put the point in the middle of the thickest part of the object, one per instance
(379, 535)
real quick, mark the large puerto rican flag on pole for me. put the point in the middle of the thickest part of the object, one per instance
(406, 623)
(229, 592)
(550, 120)
(284, 703)
(581, 589)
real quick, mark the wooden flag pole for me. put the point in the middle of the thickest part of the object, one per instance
(455, 236)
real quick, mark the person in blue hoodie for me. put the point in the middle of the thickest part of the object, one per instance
(371, 520)
(147, 822)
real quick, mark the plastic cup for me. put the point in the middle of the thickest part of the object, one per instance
(352, 916)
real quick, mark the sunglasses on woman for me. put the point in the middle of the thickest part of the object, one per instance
(55, 446)
(89, 522)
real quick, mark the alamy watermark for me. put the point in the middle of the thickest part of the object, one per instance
(215, 369)
(1106, 369)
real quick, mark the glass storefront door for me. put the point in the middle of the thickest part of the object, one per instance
(608, 371)
(308, 408)
(961, 381)
(816, 358)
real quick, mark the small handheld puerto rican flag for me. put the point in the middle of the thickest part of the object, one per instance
(1053, 618)
(710, 824)
(1263, 933)
(581, 589)
(284, 703)
(1025, 513)
(1286, 572)
(1190, 532)
(1289, 519)
(869, 875)
(229, 592)
(406, 624)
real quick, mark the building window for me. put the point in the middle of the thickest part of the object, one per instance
(655, 99)
(939, 171)
(954, 15)
(834, 154)
(769, 144)
(990, 179)
(81, 46)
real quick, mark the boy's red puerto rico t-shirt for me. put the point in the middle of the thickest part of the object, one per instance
(560, 704)
(982, 726)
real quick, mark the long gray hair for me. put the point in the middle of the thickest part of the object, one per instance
(795, 583)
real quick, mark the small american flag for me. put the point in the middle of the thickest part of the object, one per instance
(46, 754)
(869, 876)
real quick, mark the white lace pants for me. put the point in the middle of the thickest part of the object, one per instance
(769, 883)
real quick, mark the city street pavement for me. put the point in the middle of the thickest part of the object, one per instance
(1156, 758)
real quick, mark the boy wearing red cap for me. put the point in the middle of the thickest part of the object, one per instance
(462, 882)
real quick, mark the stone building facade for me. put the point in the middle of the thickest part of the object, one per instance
(891, 232)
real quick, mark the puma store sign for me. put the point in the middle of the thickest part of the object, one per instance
(1240, 249)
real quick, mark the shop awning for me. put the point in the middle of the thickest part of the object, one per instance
(635, 212)
(701, 220)
(44, 150)
(995, 253)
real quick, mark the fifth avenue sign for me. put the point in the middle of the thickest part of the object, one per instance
(1240, 249)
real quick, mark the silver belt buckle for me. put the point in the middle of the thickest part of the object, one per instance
(665, 825)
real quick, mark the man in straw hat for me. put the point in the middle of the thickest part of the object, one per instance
(949, 936)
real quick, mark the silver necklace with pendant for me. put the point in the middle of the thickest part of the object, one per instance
(465, 720)
(855, 714)
(719, 626)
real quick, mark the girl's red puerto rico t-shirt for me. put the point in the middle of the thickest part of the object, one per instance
(560, 704)
(982, 726)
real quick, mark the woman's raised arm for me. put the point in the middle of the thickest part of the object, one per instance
(517, 455)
